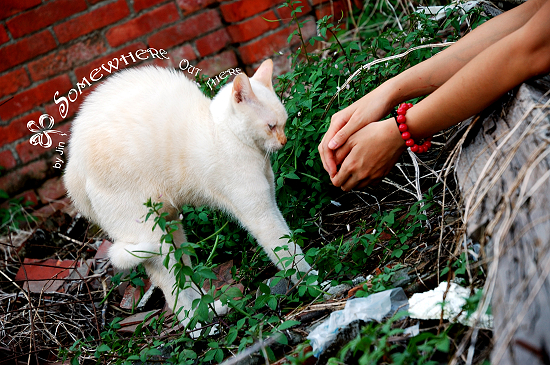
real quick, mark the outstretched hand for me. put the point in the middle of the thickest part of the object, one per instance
(368, 155)
(370, 108)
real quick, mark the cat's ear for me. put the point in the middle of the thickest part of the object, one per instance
(242, 90)
(264, 73)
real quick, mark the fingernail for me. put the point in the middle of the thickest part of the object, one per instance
(332, 144)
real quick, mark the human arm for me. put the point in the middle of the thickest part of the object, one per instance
(419, 80)
(515, 58)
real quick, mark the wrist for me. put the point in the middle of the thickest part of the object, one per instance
(392, 92)
(394, 136)
(401, 121)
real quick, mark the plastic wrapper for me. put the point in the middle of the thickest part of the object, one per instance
(374, 307)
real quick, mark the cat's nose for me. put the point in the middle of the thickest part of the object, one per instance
(282, 140)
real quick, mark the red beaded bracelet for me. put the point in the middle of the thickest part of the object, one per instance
(405, 134)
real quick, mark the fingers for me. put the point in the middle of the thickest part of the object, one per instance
(341, 153)
(337, 121)
(352, 126)
(368, 155)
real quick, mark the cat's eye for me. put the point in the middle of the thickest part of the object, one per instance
(271, 126)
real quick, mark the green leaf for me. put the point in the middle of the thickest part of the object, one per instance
(443, 345)
(103, 348)
(287, 324)
(202, 311)
(231, 336)
(272, 303)
(219, 355)
(138, 282)
(154, 352)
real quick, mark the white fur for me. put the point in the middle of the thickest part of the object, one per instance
(150, 133)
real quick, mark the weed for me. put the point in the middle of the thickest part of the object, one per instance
(13, 213)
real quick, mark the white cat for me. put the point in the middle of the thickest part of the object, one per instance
(150, 133)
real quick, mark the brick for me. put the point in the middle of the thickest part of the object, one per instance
(63, 205)
(43, 16)
(190, 6)
(103, 250)
(239, 10)
(285, 13)
(221, 62)
(139, 5)
(7, 161)
(95, 1)
(66, 59)
(308, 30)
(13, 82)
(93, 20)
(265, 46)
(28, 196)
(213, 42)
(327, 9)
(25, 177)
(253, 27)
(281, 64)
(142, 25)
(27, 48)
(132, 295)
(180, 53)
(38, 95)
(17, 129)
(84, 71)
(186, 30)
(52, 189)
(176, 55)
(39, 275)
(3, 35)
(27, 152)
(12, 7)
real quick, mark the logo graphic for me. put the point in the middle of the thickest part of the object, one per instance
(42, 131)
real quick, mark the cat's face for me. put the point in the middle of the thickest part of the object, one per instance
(265, 115)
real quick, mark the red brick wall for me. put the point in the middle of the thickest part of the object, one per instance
(51, 45)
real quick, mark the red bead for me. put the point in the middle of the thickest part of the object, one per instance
(409, 142)
(401, 119)
(414, 148)
(403, 128)
(420, 149)
(405, 135)
(409, 105)
(401, 111)
(427, 145)
(403, 106)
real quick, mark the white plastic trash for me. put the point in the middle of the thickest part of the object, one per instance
(374, 307)
(427, 305)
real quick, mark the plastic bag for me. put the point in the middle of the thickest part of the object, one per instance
(374, 307)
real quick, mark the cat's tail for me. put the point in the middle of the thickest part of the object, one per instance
(126, 255)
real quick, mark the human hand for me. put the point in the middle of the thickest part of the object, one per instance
(368, 155)
(370, 108)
